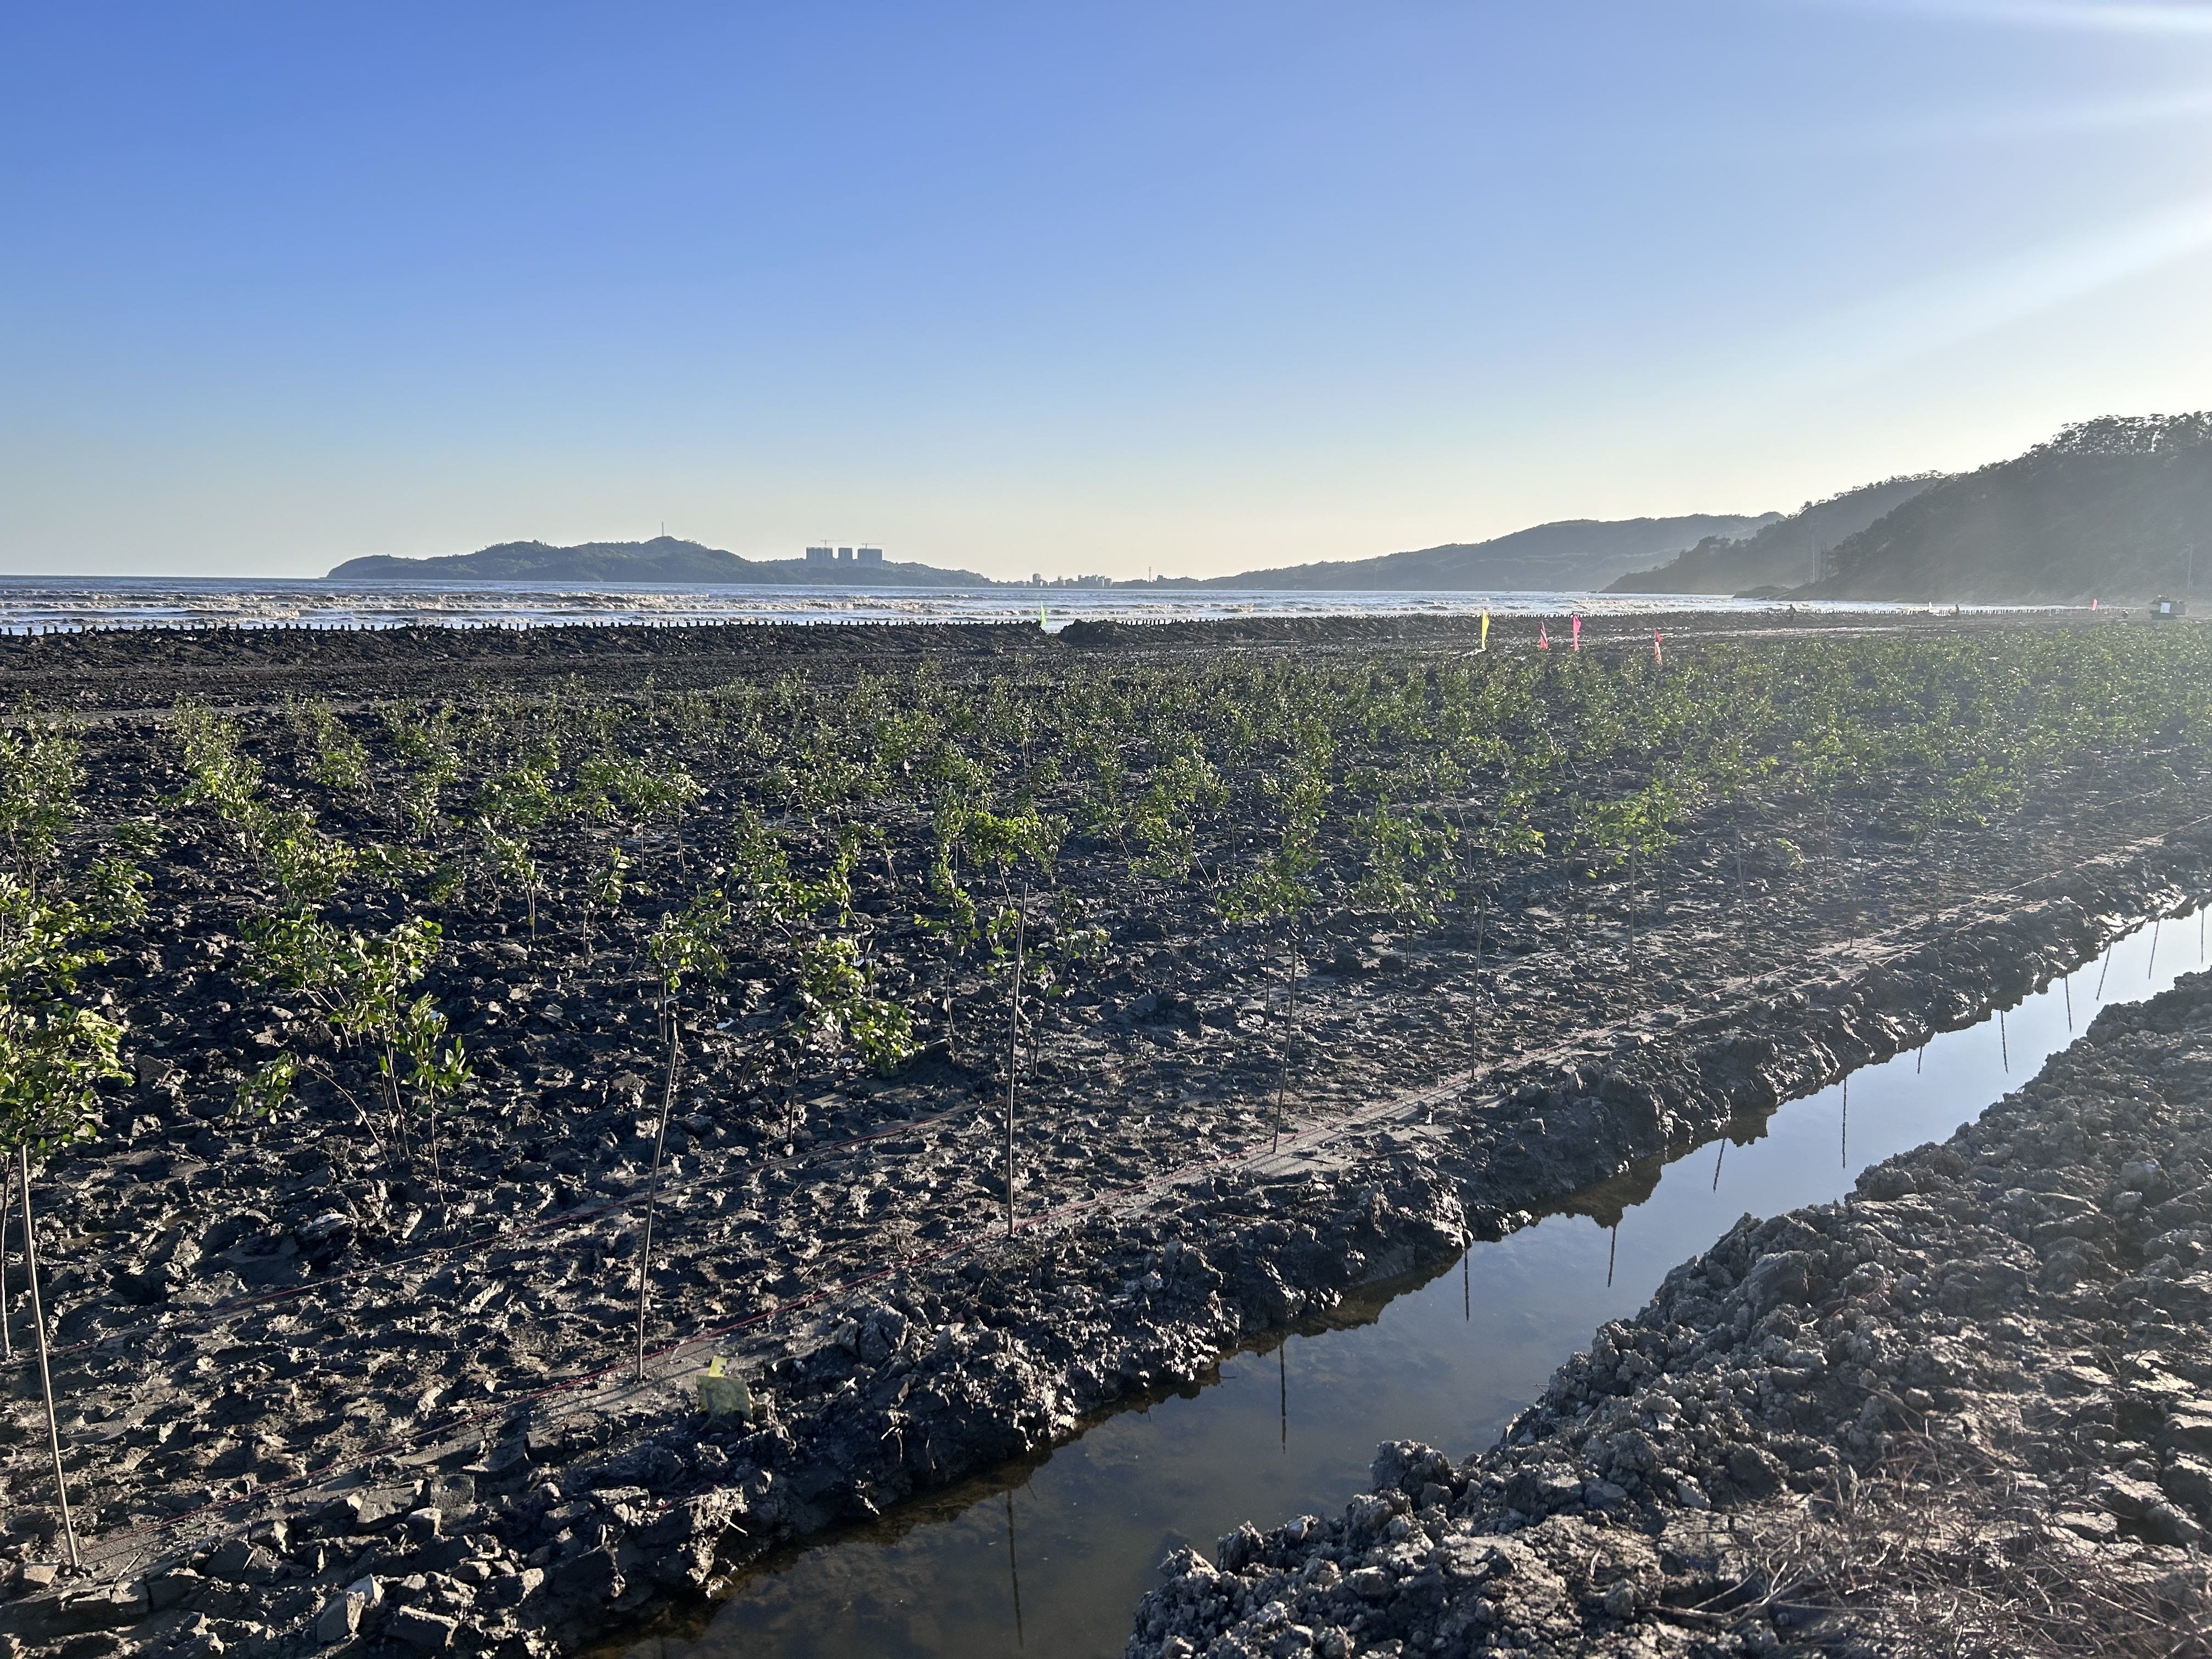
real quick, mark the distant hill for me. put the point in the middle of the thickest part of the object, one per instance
(1783, 554)
(2111, 506)
(664, 560)
(1570, 556)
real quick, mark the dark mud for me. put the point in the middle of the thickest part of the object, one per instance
(523, 1531)
(142, 668)
(308, 1404)
(1968, 1410)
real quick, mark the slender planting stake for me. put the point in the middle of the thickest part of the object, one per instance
(6, 1207)
(652, 1191)
(45, 1376)
(1283, 1060)
(1014, 1047)
(1742, 919)
(1631, 912)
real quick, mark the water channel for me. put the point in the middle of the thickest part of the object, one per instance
(1049, 1556)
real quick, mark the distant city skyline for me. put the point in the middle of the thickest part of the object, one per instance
(1069, 289)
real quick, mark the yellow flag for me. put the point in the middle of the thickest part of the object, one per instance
(1486, 630)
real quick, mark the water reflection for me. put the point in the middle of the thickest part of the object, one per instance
(944, 1578)
(1014, 1568)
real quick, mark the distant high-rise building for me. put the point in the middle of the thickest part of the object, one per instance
(871, 555)
(844, 556)
(819, 555)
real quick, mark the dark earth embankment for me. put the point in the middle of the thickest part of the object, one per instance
(1968, 1410)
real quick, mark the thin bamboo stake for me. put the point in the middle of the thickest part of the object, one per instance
(45, 1376)
(1014, 1047)
(1283, 1060)
(7, 1208)
(1742, 919)
(1632, 912)
(652, 1193)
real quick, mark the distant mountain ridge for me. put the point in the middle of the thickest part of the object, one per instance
(1783, 554)
(1568, 554)
(663, 560)
(2118, 507)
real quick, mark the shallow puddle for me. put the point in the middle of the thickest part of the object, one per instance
(1051, 1556)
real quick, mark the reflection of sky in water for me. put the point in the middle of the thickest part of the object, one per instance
(55, 603)
(1293, 1430)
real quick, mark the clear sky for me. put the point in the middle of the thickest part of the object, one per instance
(1067, 287)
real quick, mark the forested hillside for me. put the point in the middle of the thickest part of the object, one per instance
(1783, 554)
(1572, 554)
(2119, 507)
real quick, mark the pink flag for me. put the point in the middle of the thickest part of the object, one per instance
(1543, 637)
(1578, 633)
(2093, 605)
(1658, 655)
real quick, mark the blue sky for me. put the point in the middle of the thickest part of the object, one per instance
(1064, 287)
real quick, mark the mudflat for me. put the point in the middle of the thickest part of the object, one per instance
(1337, 944)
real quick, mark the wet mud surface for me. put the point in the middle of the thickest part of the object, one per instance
(1969, 1409)
(130, 669)
(310, 1403)
(1051, 1553)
